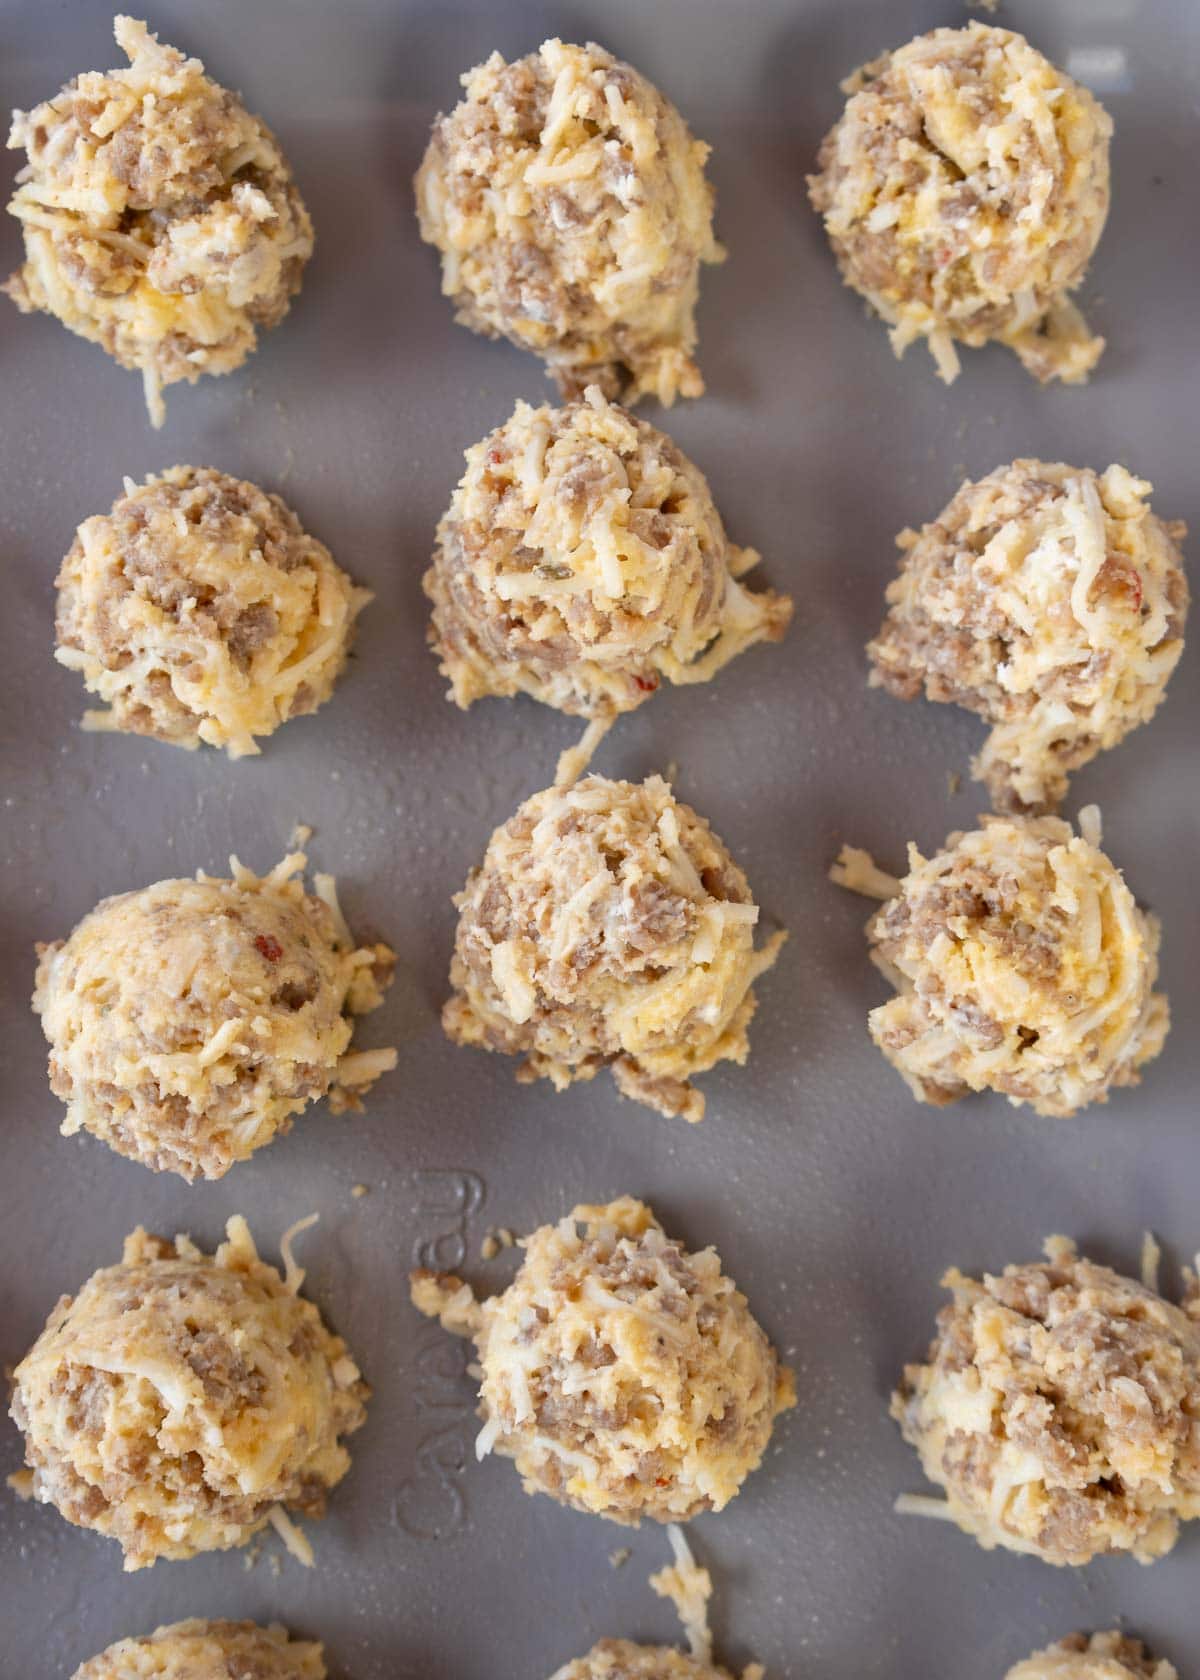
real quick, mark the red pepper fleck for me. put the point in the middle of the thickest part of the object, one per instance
(646, 684)
(268, 947)
(662, 1481)
(495, 456)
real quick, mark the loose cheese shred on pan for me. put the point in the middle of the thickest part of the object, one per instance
(293, 1274)
(293, 1537)
(689, 1587)
(857, 871)
(922, 1505)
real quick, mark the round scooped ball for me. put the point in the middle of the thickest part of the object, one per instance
(608, 926)
(569, 204)
(623, 1375)
(179, 1399)
(1022, 965)
(582, 562)
(1050, 600)
(201, 1650)
(1057, 1409)
(190, 1021)
(964, 190)
(160, 218)
(1105, 1656)
(200, 611)
(621, 1659)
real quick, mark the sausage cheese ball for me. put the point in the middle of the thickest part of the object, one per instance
(198, 1650)
(179, 1400)
(964, 189)
(1050, 600)
(582, 562)
(620, 1659)
(200, 610)
(1058, 1410)
(608, 926)
(1105, 1656)
(160, 218)
(1021, 964)
(190, 1021)
(569, 204)
(622, 1374)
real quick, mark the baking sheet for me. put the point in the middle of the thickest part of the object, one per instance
(835, 1201)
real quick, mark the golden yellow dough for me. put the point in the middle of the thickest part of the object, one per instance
(582, 562)
(964, 190)
(1050, 600)
(569, 204)
(200, 611)
(179, 1399)
(160, 218)
(623, 1375)
(190, 1021)
(1058, 1408)
(1105, 1656)
(1022, 965)
(200, 1650)
(621, 1659)
(608, 927)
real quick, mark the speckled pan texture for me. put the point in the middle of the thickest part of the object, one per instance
(835, 1201)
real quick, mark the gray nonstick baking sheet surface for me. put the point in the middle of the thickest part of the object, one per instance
(834, 1199)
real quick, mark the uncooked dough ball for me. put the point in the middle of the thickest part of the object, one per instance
(190, 1021)
(180, 1400)
(198, 1650)
(569, 204)
(1022, 965)
(200, 610)
(621, 1659)
(1050, 600)
(582, 562)
(1058, 1410)
(964, 189)
(1105, 1656)
(608, 927)
(160, 218)
(622, 1374)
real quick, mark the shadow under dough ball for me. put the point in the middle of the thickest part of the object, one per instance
(201, 612)
(607, 926)
(160, 218)
(1057, 1408)
(964, 190)
(189, 1022)
(1103, 1656)
(622, 1374)
(568, 201)
(1022, 964)
(582, 562)
(200, 1650)
(180, 1400)
(1051, 601)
